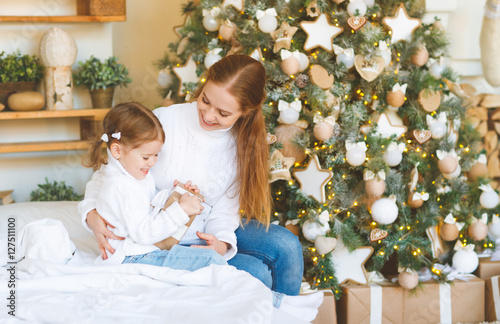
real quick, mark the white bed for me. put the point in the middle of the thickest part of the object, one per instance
(78, 292)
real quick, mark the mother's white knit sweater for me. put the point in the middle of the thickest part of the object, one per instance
(207, 158)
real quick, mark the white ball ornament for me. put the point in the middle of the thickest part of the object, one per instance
(494, 229)
(355, 157)
(211, 23)
(465, 260)
(384, 211)
(268, 23)
(212, 57)
(346, 59)
(312, 228)
(289, 116)
(393, 158)
(304, 62)
(438, 129)
(436, 70)
(489, 199)
(356, 5)
(165, 78)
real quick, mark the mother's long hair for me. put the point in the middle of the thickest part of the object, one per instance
(245, 79)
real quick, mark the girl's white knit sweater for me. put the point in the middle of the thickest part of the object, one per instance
(207, 158)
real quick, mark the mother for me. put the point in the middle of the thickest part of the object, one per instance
(219, 142)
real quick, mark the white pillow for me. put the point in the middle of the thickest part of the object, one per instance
(64, 211)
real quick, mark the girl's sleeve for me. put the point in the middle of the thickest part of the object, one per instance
(145, 227)
(89, 201)
(223, 221)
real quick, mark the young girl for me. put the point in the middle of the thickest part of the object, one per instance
(134, 138)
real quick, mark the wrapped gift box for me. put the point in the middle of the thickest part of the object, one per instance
(487, 268)
(461, 301)
(492, 299)
(373, 303)
(326, 312)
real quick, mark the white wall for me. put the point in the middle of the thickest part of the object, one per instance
(138, 42)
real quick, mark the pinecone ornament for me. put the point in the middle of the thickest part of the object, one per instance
(302, 80)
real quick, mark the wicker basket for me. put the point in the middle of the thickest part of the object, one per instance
(101, 7)
(102, 98)
(8, 88)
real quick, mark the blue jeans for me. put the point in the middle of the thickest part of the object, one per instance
(274, 257)
(179, 257)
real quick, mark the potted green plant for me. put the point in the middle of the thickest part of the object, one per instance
(18, 73)
(101, 78)
(55, 191)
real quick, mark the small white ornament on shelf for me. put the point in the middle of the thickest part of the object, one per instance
(489, 198)
(313, 179)
(345, 56)
(394, 154)
(384, 210)
(349, 266)
(289, 112)
(465, 259)
(210, 22)
(212, 57)
(313, 228)
(58, 53)
(437, 125)
(356, 152)
(267, 20)
(356, 8)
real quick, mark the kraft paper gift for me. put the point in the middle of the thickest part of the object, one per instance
(375, 303)
(460, 301)
(492, 299)
(326, 312)
(487, 268)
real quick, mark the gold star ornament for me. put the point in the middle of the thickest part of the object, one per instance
(283, 36)
(186, 73)
(320, 33)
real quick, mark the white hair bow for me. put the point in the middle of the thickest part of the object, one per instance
(270, 11)
(441, 118)
(370, 175)
(213, 12)
(382, 46)
(215, 51)
(105, 137)
(395, 146)
(398, 87)
(419, 195)
(482, 159)
(349, 145)
(486, 187)
(286, 54)
(329, 120)
(442, 154)
(349, 52)
(295, 105)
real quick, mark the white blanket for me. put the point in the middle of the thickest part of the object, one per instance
(48, 292)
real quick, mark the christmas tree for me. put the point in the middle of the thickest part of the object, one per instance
(372, 157)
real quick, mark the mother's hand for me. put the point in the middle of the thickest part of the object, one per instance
(98, 225)
(213, 243)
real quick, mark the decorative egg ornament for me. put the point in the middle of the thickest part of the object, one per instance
(420, 57)
(384, 211)
(437, 125)
(212, 57)
(478, 170)
(345, 56)
(209, 21)
(374, 183)
(323, 128)
(396, 97)
(448, 161)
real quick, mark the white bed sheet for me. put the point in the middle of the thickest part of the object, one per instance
(129, 293)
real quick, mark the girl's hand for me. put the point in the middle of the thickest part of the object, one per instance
(213, 243)
(190, 204)
(188, 185)
(98, 225)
